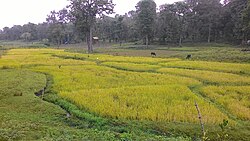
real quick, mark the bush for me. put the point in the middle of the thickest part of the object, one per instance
(47, 44)
(18, 94)
(6, 67)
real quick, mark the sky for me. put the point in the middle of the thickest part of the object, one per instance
(19, 12)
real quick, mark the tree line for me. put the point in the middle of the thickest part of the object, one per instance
(191, 21)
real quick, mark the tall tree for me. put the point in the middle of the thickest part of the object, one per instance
(146, 15)
(26, 36)
(84, 12)
(232, 21)
(129, 20)
(246, 22)
(57, 21)
(120, 28)
(208, 13)
(31, 28)
(167, 24)
(181, 10)
(42, 31)
(105, 28)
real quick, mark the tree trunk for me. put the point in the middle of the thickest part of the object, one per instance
(181, 30)
(87, 39)
(147, 41)
(68, 38)
(90, 40)
(58, 43)
(120, 42)
(164, 40)
(209, 33)
(180, 42)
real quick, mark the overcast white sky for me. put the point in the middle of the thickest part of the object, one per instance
(19, 12)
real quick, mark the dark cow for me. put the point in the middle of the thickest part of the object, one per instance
(39, 93)
(153, 54)
(189, 56)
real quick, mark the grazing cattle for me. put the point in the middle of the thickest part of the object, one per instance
(248, 42)
(189, 56)
(39, 93)
(59, 66)
(153, 54)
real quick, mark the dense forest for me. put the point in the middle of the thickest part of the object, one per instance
(189, 21)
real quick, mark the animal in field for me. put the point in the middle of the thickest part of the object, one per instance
(59, 66)
(189, 56)
(248, 42)
(39, 93)
(153, 54)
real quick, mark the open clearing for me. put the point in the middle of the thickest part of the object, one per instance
(145, 89)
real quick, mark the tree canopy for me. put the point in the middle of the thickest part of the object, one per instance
(188, 21)
(83, 13)
(146, 15)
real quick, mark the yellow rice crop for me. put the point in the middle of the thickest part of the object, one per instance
(74, 78)
(20, 57)
(212, 66)
(110, 58)
(216, 77)
(156, 103)
(95, 84)
(131, 66)
(235, 99)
